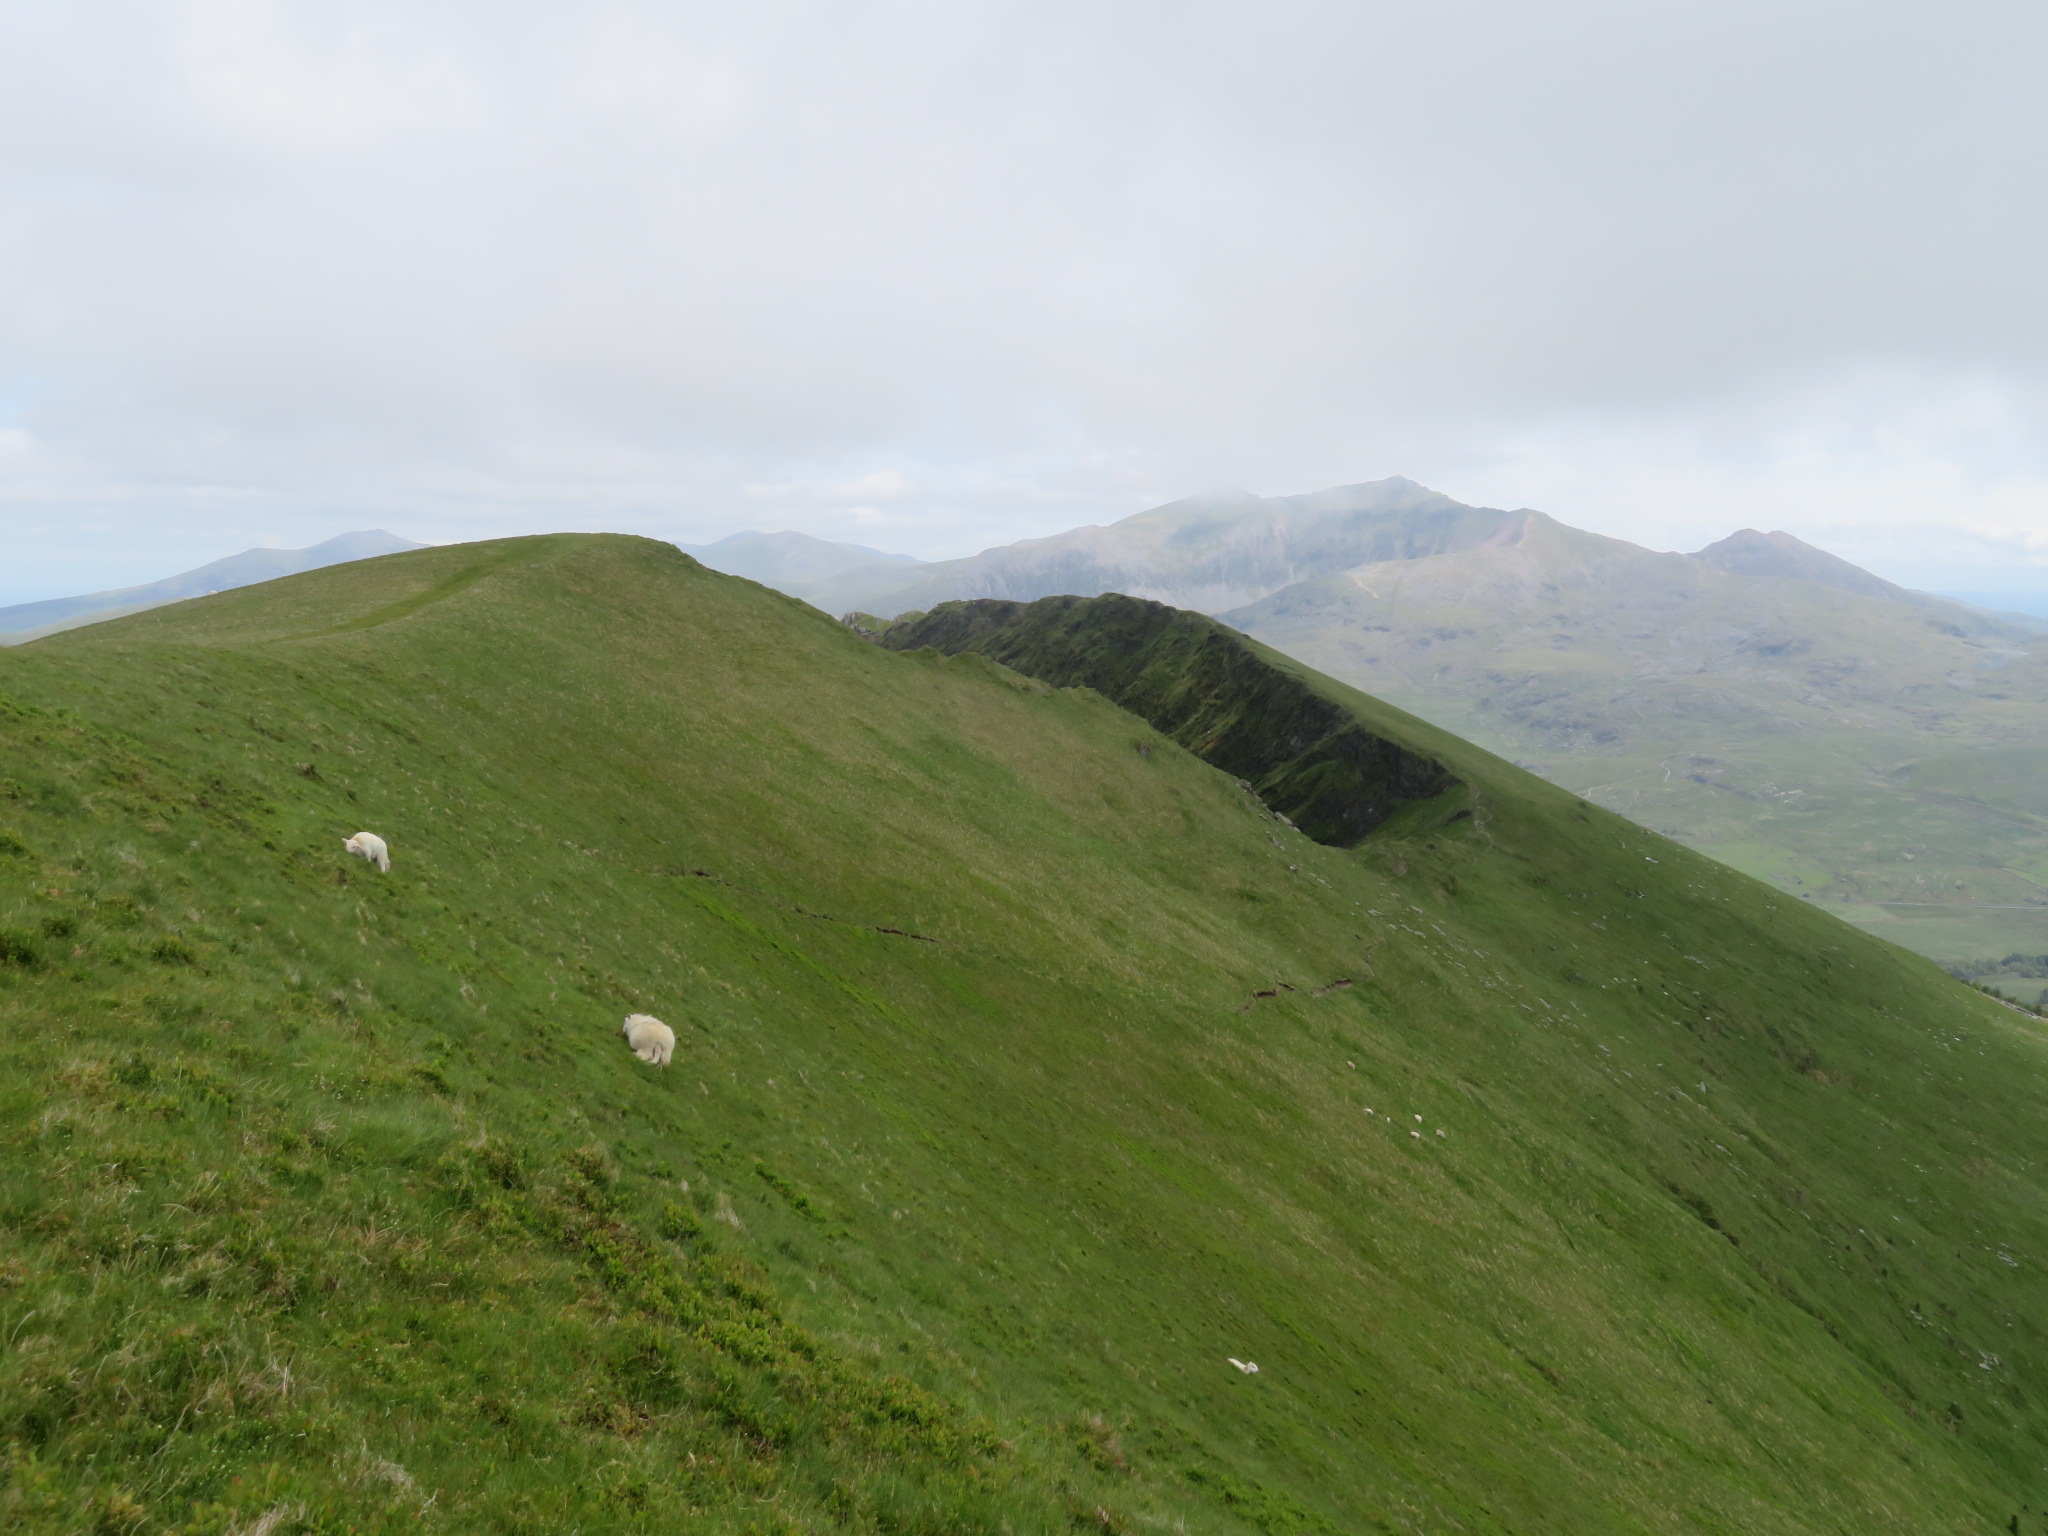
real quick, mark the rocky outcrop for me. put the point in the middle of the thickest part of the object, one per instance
(1207, 687)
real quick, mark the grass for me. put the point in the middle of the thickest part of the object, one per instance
(1016, 1088)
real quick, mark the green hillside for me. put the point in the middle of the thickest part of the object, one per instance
(1558, 1178)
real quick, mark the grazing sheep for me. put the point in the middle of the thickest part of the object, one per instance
(1249, 1367)
(652, 1041)
(368, 845)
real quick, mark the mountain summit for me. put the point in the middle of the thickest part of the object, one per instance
(1750, 553)
(1208, 553)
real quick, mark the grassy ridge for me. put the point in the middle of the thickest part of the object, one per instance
(1022, 1077)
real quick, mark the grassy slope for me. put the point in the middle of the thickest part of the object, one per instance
(1844, 748)
(337, 1194)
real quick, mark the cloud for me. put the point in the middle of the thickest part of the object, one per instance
(985, 270)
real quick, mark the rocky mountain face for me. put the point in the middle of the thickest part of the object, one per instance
(1209, 689)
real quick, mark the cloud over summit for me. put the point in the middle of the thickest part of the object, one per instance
(484, 268)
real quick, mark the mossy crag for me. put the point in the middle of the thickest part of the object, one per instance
(1229, 702)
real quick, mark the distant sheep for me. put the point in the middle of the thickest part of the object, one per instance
(1249, 1367)
(368, 845)
(652, 1041)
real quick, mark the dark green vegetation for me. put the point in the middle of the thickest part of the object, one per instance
(1210, 689)
(1027, 1069)
(2016, 976)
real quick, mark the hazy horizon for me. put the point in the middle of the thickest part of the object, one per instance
(933, 279)
(2034, 601)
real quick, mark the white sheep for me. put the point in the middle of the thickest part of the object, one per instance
(652, 1041)
(368, 845)
(1249, 1367)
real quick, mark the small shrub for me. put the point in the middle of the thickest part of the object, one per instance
(169, 951)
(503, 1164)
(798, 1201)
(1100, 1446)
(595, 1190)
(121, 911)
(16, 949)
(117, 1514)
(135, 1072)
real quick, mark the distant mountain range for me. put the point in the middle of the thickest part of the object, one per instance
(27, 621)
(1810, 722)
(1219, 553)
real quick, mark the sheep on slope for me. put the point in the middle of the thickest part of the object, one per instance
(368, 845)
(652, 1041)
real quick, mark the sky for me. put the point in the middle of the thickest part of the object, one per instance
(934, 275)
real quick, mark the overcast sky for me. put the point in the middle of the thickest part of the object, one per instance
(932, 275)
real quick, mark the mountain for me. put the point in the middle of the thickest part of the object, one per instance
(795, 563)
(1801, 717)
(1208, 553)
(1750, 553)
(27, 621)
(1029, 1071)
(1815, 732)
